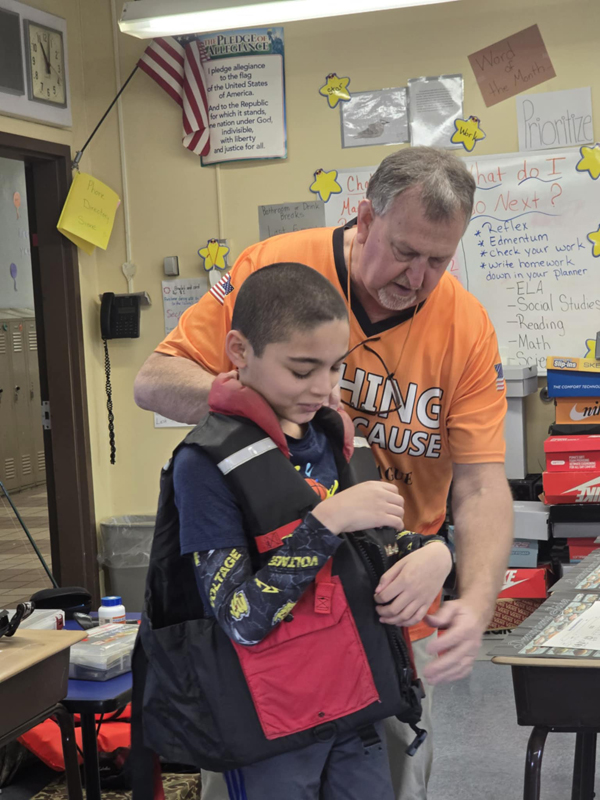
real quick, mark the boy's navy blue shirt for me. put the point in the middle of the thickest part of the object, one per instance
(209, 515)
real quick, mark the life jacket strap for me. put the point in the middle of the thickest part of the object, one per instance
(324, 588)
(274, 539)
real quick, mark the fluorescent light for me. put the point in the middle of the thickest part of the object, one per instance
(148, 19)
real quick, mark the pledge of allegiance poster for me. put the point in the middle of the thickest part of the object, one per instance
(246, 95)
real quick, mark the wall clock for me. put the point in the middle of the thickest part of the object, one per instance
(45, 58)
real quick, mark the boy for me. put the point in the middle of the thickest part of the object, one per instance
(313, 657)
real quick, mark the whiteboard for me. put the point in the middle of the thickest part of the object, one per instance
(526, 255)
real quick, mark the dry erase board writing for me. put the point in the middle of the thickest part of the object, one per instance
(526, 253)
(289, 217)
(343, 207)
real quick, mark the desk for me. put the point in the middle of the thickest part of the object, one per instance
(557, 695)
(89, 698)
(34, 669)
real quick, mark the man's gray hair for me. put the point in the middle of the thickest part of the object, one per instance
(446, 185)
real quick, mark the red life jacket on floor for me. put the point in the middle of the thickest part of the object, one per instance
(332, 668)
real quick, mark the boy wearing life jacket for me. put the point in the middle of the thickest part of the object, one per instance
(266, 657)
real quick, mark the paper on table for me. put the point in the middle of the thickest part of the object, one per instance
(512, 65)
(433, 105)
(583, 632)
(88, 214)
(555, 119)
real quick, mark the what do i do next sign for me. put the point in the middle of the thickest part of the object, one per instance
(246, 95)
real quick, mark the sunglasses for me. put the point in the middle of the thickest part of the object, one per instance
(389, 378)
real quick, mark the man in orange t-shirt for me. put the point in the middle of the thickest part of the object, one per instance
(423, 382)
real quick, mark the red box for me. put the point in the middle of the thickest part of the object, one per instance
(572, 453)
(571, 487)
(510, 614)
(521, 583)
(580, 547)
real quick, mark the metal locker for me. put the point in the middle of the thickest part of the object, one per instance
(35, 401)
(9, 450)
(22, 403)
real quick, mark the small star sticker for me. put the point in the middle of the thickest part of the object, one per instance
(335, 90)
(594, 238)
(590, 161)
(325, 184)
(213, 254)
(467, 132)
(591, 349)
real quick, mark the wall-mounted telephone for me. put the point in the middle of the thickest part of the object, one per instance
(120, 316)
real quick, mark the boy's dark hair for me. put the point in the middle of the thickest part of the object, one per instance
(282, 298)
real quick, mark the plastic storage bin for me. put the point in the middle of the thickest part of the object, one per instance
(104, 654)
(125, 544)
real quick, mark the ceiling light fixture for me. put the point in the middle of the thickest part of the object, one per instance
(148, 19)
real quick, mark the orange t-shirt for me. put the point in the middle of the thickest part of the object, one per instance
(444, 358)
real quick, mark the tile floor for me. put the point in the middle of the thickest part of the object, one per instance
(21, 573)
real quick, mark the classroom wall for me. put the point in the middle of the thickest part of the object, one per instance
(173, 200)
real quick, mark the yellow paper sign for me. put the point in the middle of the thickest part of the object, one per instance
(89, 212)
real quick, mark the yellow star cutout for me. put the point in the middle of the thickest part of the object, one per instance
(335, 90)
(591, 349)
(594, 238)
(467, 132)
(214, 254)
(325, 184)
(590, 162)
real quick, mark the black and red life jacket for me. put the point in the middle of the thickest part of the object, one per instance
(331, 668)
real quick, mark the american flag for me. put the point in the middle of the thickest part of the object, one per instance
(179, 70)
(500, 386)
(222, 288)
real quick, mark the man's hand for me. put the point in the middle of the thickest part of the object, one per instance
(457, 646)
(411, 585)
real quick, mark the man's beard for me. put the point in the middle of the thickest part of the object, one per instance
(395, 302)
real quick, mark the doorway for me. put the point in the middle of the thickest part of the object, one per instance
(46, 470)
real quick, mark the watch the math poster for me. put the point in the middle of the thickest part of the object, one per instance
(246, 95)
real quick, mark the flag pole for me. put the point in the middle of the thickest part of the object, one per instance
(79, 153)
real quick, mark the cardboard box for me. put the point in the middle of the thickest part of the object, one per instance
(511, 613)
(524, 553)
(531, 520)
(525, 583)
(577, 410)
(572, 453)
(580, 548)
(571, 487)
(573, 377)
(575, 520)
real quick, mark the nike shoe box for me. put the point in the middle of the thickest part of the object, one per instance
(527, 488)
(575, 520)
(526, 583)
(577, 411)
(573, 377)
(587, 429)
(572, 453)
(580, 548)
(572, 487)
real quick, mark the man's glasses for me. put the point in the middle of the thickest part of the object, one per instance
(390, 379)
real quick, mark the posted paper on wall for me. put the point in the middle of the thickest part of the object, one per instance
(246, 96)
(375, 118)
(289, 217)
(178, 296)
(512, 65)
(434, 104)
(555, 119)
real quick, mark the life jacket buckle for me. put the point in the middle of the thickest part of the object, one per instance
(418, 740)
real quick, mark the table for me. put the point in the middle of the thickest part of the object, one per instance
(89, 698)
(34, 668)
(557, 695)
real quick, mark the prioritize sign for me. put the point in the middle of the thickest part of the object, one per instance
(246, 96)
(88, 214)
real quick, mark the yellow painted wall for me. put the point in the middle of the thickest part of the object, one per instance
(172, 199)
